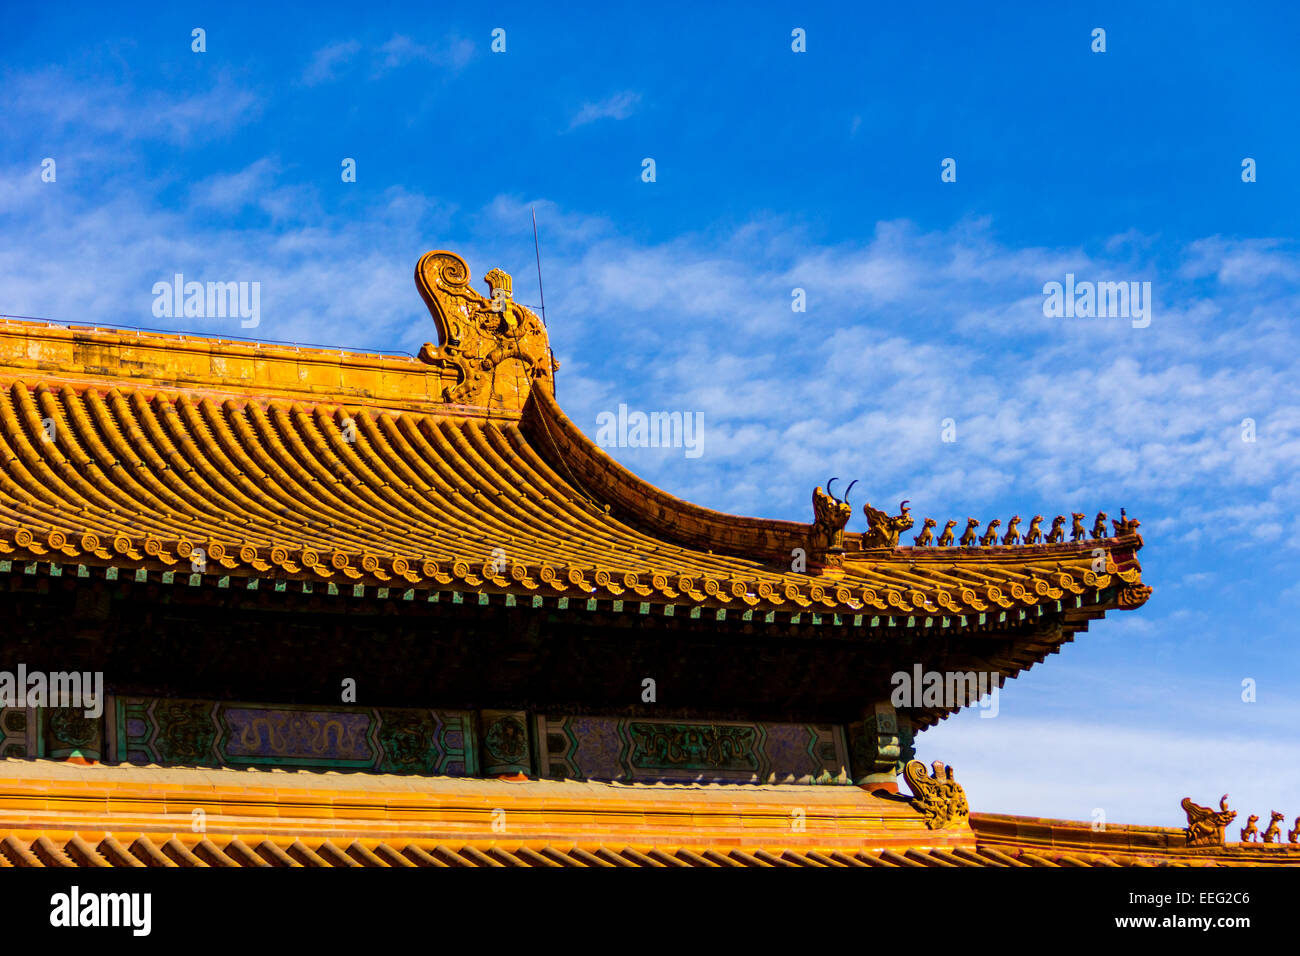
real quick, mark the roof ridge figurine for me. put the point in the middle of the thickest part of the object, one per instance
(497, 347)
(1205, 826)
(938, 795)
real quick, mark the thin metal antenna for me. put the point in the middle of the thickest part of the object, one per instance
(537, 248)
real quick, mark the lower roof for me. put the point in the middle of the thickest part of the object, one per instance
(68, 815)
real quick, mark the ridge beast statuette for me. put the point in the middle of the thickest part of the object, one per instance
(1057, 534)
(1035, 534)
(1274, 832)
(497, 348)
(883, 530)
(969, 538)
(926, 537)
(945, 539)
(1126, 525)
(830, 515)
(937, 796)
(1250, 830)
(1205, 826)
(1013, 531)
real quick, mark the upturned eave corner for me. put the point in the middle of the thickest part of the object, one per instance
(496, 348)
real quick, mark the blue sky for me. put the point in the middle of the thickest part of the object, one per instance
(779, 170)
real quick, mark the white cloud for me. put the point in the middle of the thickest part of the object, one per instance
(326, 61)
(59, 103)
(452, 54)
(98, 261)
(232, 191)
(1051, 415)
(399, 50)
(1080, 414)
(1240, 262)
(619, 106)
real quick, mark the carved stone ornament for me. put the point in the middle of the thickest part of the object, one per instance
(1205, 826)
(937, 796)
(497, 348)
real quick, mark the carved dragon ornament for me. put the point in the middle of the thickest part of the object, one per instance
(937, 796)
(497, 348)
(1204, 825)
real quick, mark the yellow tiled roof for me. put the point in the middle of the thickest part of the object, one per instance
(63, 800)
(97, 468)
(206, 460)
(65, 815)
(1059, 840)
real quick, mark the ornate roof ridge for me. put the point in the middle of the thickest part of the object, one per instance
(87, 357)
(184, 339)
(187, 341)
(20, 769)
(558, 439)
(1036, 834)
(565, 446)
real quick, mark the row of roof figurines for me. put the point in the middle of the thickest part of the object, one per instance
(1205, 826)
(831, 515)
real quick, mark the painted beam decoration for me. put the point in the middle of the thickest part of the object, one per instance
(210, 734)
(16, 733)
(630, 749)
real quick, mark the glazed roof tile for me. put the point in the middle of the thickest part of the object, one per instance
(136, 478)
(454, 471)
(189, 850)
(65, 815)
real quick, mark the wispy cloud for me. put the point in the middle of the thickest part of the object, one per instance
(1240, 262)
(326, 61)
(619, 106)
(399, 50)
(329, 62)
(232, 191)
(61, 103)
(97, 260)
(911, 328)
